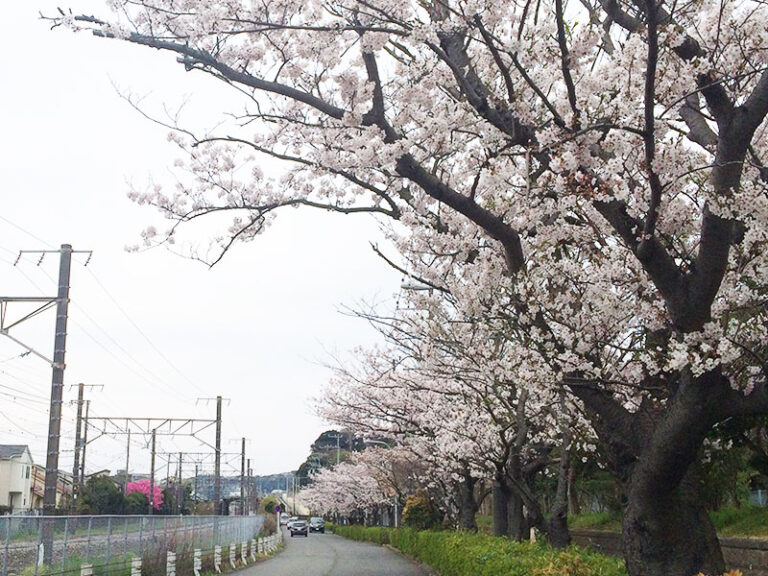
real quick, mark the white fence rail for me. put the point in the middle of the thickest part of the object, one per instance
(127, 545)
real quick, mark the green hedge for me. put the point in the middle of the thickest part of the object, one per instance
(465, 554)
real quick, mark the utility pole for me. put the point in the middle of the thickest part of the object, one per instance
(242, 479)
(78, 447)
(248, 486)
(61, 302)
(127, 461)
(151, 497)
(57, 383)
(217, 465)
(85, 442)
(196, 471)
(180, 490)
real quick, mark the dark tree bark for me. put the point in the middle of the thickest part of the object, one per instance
(499, 496)
(468, 504)
(671, 533)
(666, 529)
(517, 524)
(573, 498)
(557, 527)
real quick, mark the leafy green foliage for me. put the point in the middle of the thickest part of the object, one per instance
(101, 496)
(741, 522)
(465, 554)
(609, 521)
(420, 514)
(136, 503)
(269, 503)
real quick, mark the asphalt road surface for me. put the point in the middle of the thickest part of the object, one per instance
(329, 555)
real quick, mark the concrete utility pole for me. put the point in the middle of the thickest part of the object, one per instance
(61, 302)
(217, 464)
(57, 383)
(85, 442)
(196, 496)
(78, 446)
(248, 486)
(242, 479)
(151, 497)
(180, 490)
(127, 461)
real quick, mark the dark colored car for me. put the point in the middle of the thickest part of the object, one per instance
(317, 524)
(299, 527)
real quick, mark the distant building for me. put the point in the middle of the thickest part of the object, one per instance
(15, 477)
(37, 488)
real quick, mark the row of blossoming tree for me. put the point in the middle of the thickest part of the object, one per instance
(582, 185)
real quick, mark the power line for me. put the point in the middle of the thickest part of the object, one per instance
(25, 231)
(141, 332)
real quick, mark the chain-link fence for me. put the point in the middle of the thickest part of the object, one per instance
(127, 545)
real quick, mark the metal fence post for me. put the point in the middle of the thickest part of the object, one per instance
(7, 544)
(125, 536)
(39, 541)
(88, 541)
(109, 548)
(66, 537)
(141, 537)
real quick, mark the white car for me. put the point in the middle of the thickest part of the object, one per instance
(291, 520)
(284, 519)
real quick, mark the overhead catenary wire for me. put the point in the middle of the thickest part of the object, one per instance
(25, 231)
(141, 332)
(150, 377)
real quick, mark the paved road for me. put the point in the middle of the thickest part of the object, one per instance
(329, 555)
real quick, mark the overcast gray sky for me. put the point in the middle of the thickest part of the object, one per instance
(157, 330)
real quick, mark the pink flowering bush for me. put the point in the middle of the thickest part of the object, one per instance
(142, 486)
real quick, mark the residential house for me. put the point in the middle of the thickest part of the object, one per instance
(37, 488)
(15, 477)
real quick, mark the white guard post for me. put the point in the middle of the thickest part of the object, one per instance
(232, 555)
(136, 566)
(217, 559)
(253, 549)
(86, 570)
(170, 564)
(197, 566)
(244, 553)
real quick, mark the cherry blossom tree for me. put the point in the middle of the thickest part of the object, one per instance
(597, 168)
(372, 479)
(439, 364)
(142, 486)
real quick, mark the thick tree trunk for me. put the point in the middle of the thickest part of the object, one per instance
(667, 532)
(671, 534)
(467, 504)
(557, 527)
(573, 497)
(500, 521)
(517, 525)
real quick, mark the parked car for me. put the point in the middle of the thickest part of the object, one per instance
(317, 524)
(284, 519)
(299, 527)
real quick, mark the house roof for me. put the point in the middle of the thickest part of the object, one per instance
(10, 450)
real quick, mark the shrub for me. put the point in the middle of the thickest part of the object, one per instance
(420, 514)
(466, 554)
